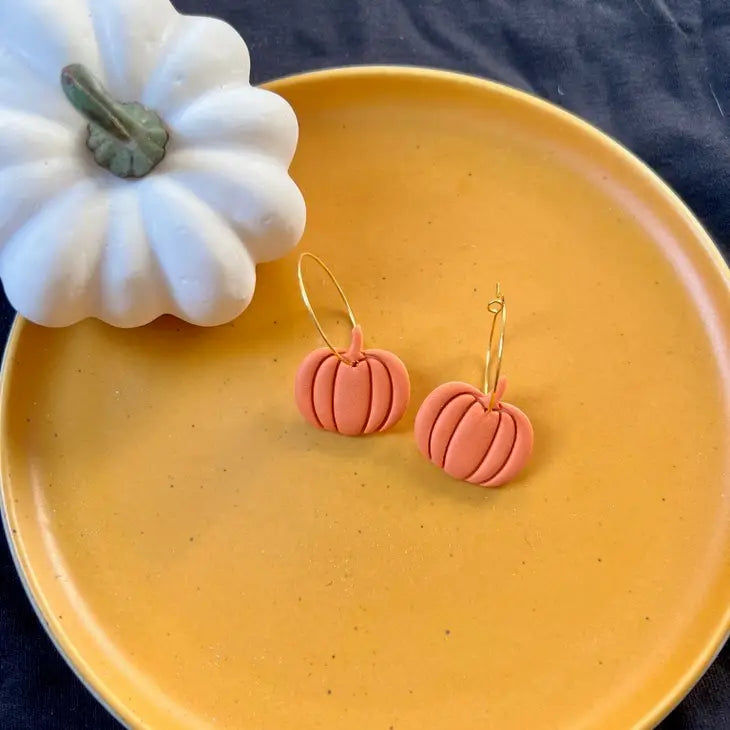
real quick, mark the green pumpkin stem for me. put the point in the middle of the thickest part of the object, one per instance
(126, 138)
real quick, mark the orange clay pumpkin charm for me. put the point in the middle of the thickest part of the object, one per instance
(472, 434)
(353, 392)
(366, 392)
(458, 431)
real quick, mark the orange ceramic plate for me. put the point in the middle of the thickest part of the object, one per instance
(204, 558)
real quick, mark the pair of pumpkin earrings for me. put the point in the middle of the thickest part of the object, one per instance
(471, 434)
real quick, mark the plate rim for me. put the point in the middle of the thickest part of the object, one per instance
(106, 697)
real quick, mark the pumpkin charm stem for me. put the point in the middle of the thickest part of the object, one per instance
(353, 355)
(495, 399)
(126, 138)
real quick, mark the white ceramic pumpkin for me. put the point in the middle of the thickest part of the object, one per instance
(137, 210)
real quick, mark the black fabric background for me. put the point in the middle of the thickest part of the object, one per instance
(652, 73)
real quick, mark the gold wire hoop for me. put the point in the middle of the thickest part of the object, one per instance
(310, 308)
(495, 307)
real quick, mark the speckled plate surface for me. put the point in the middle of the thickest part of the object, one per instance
(204, 558)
